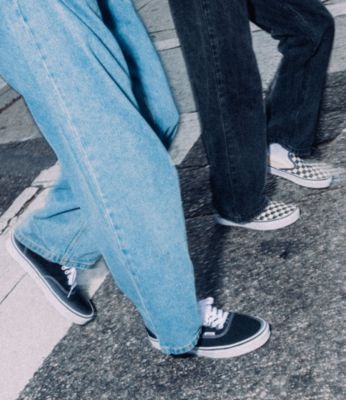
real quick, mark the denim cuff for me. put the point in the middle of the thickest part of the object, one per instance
(172, 350)
(246, 218)
(53, 257)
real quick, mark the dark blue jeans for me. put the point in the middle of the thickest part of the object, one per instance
(236, 125)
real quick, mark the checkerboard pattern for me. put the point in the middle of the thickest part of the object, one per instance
(275, 210)
(306, 171)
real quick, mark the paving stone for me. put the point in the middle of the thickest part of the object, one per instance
(20, 164)
(156, 15)
(176, 70)
(16, 123)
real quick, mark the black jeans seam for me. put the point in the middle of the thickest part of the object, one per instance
(218, 78)
(304, 27)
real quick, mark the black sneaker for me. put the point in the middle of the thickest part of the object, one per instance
(225, 334)
(58, 282)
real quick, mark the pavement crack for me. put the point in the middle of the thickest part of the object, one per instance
(12, 289)
(144, 5)
(8, 105)
(22, 209)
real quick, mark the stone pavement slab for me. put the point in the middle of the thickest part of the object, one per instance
(16, 123)
(20, 164)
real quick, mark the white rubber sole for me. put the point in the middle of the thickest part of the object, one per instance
(263, 226)
(308, 183)
(30, 269)
(236, 350)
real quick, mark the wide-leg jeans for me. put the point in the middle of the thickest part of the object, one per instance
(96, 88)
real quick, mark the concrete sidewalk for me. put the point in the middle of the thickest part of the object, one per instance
(295, 278)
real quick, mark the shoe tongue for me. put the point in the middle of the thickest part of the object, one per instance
(209, 332)
(72, 281)
(69, 278)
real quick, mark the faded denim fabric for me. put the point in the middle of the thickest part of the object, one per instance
(216, 39)
(96, 88)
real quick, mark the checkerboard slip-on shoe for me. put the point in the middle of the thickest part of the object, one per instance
(276, 215)
(58, 283)
(225, 334)
(302, 173)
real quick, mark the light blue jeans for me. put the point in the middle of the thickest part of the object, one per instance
(96, 88)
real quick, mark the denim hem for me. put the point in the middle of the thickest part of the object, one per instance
(53, 257)
(172, 350)
(304, 152)
(249, 217)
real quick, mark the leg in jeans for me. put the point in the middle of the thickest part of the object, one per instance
(305, 31)
(216, 39)
(59, 232)
(76, 81)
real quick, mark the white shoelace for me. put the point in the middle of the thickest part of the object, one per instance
(71, 274)
(212, 317)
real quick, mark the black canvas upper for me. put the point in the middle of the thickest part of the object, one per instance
(54, 277)
(237, 329)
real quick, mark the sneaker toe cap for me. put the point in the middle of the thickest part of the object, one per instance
(82, 306)
(244, 327)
